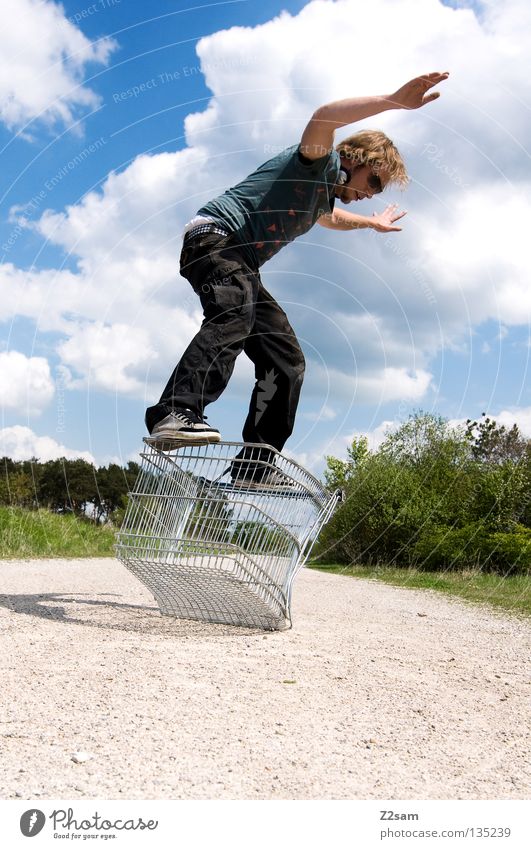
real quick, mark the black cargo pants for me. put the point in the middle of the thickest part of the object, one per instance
(239, 315)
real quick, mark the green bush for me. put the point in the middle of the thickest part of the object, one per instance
(475, 547)
(430, 498)
(383, 509)
(512, 551)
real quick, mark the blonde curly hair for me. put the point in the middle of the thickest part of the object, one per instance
(374, 148)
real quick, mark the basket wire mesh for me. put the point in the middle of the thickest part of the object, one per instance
(218, 532)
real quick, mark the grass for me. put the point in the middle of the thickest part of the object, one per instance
(41, 533)
(511, 592)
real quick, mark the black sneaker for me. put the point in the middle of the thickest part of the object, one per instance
(183, 427)
(268, 480)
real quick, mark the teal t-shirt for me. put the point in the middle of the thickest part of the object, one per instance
(279, 201)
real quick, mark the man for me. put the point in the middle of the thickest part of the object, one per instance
(234, 234)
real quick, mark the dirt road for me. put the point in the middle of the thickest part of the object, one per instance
(376, 693)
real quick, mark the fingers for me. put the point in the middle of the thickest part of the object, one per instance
(389, 216)
(435, 77)
(427, 81)
(391, 212)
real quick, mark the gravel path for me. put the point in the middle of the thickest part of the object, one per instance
(376, 693)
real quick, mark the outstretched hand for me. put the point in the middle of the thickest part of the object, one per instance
(383, 222)
(413, 94)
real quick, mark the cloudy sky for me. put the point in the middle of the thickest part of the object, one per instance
(115, 127)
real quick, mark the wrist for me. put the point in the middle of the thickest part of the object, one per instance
(391, 101)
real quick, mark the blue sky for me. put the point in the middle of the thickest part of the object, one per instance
(115, 128)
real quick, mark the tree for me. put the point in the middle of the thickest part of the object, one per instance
(68, 485)
(339, 472)
(493, 443)
(112, 487)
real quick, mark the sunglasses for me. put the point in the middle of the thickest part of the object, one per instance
(374, 183)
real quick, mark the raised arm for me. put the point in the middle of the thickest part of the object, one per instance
(318, 137)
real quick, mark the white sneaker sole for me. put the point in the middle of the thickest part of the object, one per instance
(169, 438)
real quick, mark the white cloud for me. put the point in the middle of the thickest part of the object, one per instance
(515, 415)
(483, 259)
(370, 386)
(46, 296)
(105, 355)
(324, 414)
(137, 213)
(133, 318)
(43, 60)
(21, 443)
(283, 85)
(520, 416)
(26, 384)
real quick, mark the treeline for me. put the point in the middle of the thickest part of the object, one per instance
(67, 486)
(434, 497)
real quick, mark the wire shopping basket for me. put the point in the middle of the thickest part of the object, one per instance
(212, 540)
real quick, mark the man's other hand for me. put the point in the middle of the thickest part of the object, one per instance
(383, 222)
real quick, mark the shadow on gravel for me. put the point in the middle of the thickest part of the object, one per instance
(113, 615)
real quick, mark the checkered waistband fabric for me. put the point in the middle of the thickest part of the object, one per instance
(202, 229)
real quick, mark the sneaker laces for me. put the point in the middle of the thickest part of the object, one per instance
(188, 417)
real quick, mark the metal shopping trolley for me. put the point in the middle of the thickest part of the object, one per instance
(214, 544)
